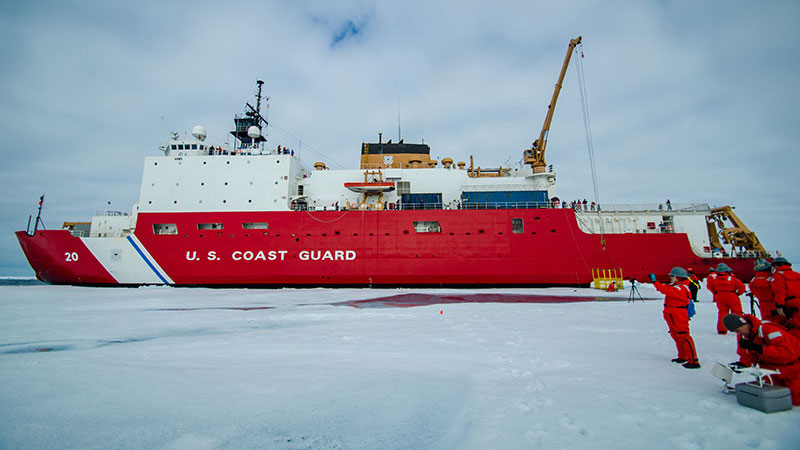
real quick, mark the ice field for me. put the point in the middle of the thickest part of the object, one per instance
(166, 368)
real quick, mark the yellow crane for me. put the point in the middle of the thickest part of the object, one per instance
(737, 235)
(535, 155)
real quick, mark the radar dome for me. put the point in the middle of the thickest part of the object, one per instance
(254, 132)
(199, 133)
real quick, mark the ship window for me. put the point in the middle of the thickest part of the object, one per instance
(194, 146)
(180, 146)
(165, 228)
(428, 226)
(209, 226)
(516, 226)
(174, 146)
(403, 187)
(255, 226)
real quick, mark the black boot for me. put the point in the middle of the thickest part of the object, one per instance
(678, 360)
(692, 365)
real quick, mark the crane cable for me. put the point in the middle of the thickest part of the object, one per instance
(588, 129)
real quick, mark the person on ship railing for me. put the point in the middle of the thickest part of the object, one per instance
(726, 289)
(677, 301)
(786, 290)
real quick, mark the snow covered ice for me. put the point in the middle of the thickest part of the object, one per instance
(164, 368)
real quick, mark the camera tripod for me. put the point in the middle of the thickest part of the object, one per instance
(634, 290)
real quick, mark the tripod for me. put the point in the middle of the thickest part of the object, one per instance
(634, 289)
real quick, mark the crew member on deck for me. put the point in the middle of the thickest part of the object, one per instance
(676, 313)
(726, 289)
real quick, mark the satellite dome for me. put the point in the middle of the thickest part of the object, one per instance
(254, 132)
(199, 133)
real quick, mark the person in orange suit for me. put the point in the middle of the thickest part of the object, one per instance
(676, 301)
(770, 346)
(726, 289)
(786, 291)
(761, 287)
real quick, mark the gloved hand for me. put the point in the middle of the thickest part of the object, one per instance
(750, 345)
(652, 277)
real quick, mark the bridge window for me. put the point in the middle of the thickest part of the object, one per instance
(209, 226)
(517, 226)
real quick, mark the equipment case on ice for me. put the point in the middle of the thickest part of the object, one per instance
(767, 398)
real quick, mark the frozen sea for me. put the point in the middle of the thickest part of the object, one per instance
(168, 368)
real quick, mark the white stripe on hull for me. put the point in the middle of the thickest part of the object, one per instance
(121, 259)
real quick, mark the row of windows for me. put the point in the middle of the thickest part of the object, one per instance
(423, 226)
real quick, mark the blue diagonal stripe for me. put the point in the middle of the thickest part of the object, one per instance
(152, 267)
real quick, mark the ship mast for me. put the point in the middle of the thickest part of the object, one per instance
(252, 117)
(535, 155)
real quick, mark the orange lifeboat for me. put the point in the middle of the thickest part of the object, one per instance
(370, 187)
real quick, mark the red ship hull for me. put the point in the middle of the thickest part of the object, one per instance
(373, 248)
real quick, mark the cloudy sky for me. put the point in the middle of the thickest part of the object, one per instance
(691, 101)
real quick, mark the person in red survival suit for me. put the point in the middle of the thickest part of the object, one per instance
(676, 313)
(786, 289)
(712, 275)
(726, 289)
(761, 287)
(770, 346)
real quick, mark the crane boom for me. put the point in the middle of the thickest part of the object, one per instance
(535, 155)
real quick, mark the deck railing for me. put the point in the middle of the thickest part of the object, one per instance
(616, 208)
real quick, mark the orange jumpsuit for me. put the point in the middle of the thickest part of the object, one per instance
(779, 351)
(676, 301)
(786, 289)
(761, 287)
(726, 289)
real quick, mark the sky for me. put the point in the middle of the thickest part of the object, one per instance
(689, 102)
(202, 369)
